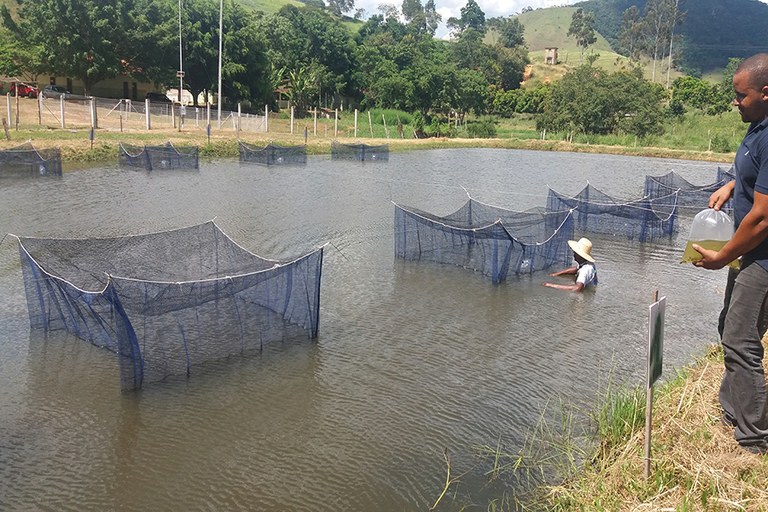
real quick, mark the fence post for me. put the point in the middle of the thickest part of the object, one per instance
(146, 114)
(9, 108)
(292, 111)
(94, 114)
(61, 109)
(355, 123)
(315, 123)
(370, 123)
(39, 109)
(384, 120)
(239, 118)
(266, 118)
(336, 124)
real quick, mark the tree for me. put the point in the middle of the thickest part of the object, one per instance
(631, 35)
(661, 17)
(85, 39)
(472, 17)
(589, 100)
(339, 7)
(582, 29)
(511, 32)
(432, 17)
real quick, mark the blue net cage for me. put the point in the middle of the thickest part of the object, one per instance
(166, 302)
(272, 154)
(725, 175)
(25, 161)
(362, 152)
(690, 197)
(152, 158)
(642, 219)
(488, 239)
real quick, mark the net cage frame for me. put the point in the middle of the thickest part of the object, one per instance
(494, 241)
(272, 154)
(26, 161)
(645, 219)
(158, 157)
(361, 152)
(690, 195)
(161, 327)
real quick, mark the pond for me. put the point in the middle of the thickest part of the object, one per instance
(412, 358)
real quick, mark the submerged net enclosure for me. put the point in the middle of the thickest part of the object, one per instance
(488, 239)
(362, 152)
(642, 219)
(26, 161)
(152, 158)
(725, 175)
(689, 195)
(272, 154)
(165, 302)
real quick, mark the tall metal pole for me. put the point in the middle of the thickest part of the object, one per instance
(181, 66)
(221, 39)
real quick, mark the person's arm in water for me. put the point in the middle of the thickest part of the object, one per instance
(575, 287)
(721, 195)
(751, 232)
(570, 271)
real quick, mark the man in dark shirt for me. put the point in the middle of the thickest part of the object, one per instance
(742, 391)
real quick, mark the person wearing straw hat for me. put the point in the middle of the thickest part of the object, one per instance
(585, 270)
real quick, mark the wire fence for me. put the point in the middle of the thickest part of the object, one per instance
(83, 112)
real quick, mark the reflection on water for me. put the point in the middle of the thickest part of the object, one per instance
(412, 357)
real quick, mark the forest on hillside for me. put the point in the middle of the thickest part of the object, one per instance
(710, 32)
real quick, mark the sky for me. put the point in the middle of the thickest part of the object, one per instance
(452, 8)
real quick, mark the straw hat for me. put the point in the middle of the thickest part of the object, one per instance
(583, 248)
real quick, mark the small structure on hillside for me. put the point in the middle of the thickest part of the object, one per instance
(550, 55)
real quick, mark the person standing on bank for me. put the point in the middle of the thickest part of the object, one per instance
(585, 271)
(745, 320)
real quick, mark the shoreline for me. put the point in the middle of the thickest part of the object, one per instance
(76, 146)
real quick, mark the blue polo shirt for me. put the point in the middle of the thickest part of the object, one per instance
(751, 169)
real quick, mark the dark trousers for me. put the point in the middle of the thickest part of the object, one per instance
(742, 393)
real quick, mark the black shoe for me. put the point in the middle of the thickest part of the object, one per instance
(759, 448)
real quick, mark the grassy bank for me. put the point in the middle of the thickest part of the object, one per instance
(696, 463)
(76, 146)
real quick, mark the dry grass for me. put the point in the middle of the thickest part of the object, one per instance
(696, 463)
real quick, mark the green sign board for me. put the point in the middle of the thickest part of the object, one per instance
(656, 339)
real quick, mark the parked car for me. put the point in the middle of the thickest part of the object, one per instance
(53, 91)
(158, 97)
(25, 90)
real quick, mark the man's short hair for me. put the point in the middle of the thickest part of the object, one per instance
(756, 68)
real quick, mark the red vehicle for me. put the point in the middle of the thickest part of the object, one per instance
(25, 90)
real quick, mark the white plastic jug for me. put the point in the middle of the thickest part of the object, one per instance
(711, 229)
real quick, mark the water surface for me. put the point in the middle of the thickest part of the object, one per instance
(412, 357)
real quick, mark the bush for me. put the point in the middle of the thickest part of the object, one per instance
(483, 129)
(721, 144)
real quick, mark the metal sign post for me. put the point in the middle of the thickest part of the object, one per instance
(655, 359)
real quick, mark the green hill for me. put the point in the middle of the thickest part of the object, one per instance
(712, 31)
(546, 28)
(268, 6)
